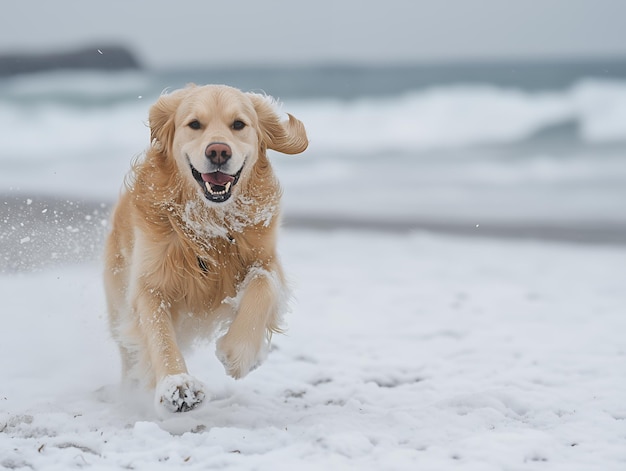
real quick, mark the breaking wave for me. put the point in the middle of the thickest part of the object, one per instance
(438, 117)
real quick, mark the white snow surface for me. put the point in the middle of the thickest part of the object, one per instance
(403, 352)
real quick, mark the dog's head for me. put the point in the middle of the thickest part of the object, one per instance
(216, 134)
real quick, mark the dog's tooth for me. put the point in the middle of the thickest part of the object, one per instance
(218, 193)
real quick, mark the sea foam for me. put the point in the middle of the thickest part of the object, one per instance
(433, 118)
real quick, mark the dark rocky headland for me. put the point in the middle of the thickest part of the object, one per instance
(113, 58)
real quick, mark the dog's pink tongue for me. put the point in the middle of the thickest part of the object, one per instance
(217, 178)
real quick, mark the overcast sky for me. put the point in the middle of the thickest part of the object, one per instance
(167, 33)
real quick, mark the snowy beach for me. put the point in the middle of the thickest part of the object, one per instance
(403, 351)
(457, 255)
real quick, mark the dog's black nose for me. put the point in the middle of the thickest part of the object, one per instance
(218, 153)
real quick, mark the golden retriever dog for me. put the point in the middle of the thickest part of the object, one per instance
(192, 249)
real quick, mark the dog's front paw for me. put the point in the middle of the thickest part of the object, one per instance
(239, 358)
(179, 393)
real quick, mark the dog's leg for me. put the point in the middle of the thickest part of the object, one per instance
(119, 313)
(176, 390)
(262, 300)
(129, 360)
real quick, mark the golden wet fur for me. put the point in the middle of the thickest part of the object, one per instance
(179, 266)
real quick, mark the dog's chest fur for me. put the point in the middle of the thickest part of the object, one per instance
(202, 255)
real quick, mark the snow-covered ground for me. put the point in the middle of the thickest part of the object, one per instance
(403, 352)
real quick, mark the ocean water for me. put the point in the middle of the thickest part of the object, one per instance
(476, 144)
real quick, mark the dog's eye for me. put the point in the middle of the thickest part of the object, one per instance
(238, 125)
(195, 124)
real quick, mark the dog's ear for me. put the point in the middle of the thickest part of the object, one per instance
(288, 137)
(161, 118)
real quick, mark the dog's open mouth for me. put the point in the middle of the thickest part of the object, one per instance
(217, 186)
